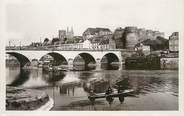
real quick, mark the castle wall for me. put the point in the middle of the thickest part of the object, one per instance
(128, 37)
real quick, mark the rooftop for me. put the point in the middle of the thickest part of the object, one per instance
(92, 31)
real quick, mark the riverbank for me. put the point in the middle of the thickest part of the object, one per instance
(27, 99)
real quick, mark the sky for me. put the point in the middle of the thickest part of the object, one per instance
(34, 20)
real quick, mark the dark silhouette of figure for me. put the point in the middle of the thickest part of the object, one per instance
(109, 91)
(121, 87)
(109, 98)
(90, 97)
(121, 90)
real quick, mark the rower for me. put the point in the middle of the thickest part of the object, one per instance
(121, 97)
(109, 91)
(90, 97)
(108, 97)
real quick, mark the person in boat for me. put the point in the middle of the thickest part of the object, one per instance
(108, 97)
(90, 97)
(109, 91)
(91, 92)
(120, 88)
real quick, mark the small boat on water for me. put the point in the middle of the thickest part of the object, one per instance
(110, 94)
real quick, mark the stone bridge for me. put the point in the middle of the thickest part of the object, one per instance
(95, 56)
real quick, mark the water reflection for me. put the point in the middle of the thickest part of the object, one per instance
(99, 81)
(107, 66)
(21, 78)
(81, 67)
(69, 87)
(68, 90)
(53, 77)
(104, 66)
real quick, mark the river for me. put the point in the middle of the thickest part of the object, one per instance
(154, 89)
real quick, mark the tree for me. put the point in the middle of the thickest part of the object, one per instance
(55, 40)
(46, 40)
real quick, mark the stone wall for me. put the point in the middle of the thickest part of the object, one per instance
(118, 38)
(174, 42)
(128, 37)
(131, 40)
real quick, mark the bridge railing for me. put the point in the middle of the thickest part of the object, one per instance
(51, 48)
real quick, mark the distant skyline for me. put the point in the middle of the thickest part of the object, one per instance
(34, 20)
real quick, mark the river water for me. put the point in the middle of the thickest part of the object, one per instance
(154, 90)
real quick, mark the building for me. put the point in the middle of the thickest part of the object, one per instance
(118, 37)
(100, 38)
(128, 37)
(78, 39)
(64, 35)
(150, 62)
(142, 49)
(112, 44)
(95, 32)
(87, 44)
(169, 63)
(69, 33)
(174, 42)
(158, 44)
(107, 42)
(101, 44)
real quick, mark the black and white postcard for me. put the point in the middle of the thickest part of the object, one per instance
(92, 55)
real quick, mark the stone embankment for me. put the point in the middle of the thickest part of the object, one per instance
(27, 99)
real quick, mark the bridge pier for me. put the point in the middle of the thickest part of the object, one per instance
(120, 66)
(70, 64)
(98, 64)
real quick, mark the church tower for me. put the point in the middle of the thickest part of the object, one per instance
(70, 33)
(67, 31)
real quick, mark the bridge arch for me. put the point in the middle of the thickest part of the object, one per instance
(59, 58)
(108, 59)
(111, 57)
(87, 58)
(23, 60)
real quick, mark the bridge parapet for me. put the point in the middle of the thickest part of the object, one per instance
(68, 55)
(56, 48)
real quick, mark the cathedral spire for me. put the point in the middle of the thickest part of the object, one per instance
(67, 30)
(72, 30)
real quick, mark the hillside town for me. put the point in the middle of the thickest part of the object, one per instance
(137, 44)
(99, 50)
